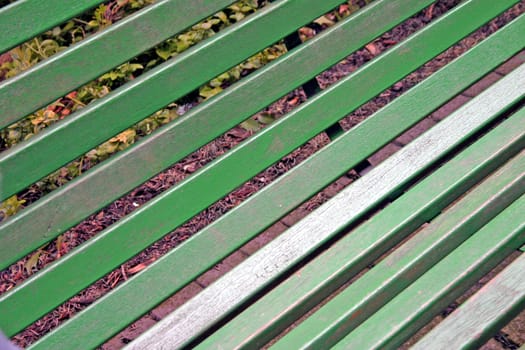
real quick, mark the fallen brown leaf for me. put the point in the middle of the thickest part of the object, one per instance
(430, 12)
(372, 48)
(137, 268)
(293, 101)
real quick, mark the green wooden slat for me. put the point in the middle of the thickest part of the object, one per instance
(480, 317)
(25, 19)
(99, 53)
(23, 232)
(99, 121)
(365, 296)
(419, 303)
(127, 303)
(236, 287)
(301, 292)
(156, 218)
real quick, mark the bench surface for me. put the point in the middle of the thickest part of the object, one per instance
(367, 269)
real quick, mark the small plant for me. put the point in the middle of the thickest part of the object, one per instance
(10, 207)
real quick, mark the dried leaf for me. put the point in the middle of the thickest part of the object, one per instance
(60, 242)
(190, 168)
(32, 262)
(293, 101)
(100, 216)
(372, 48)
(324, 21)
(126, 137)
(137, 268)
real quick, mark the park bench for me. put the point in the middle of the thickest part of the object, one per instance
(367, 269)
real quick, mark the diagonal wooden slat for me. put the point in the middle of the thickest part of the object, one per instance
(335, 106)
(25, 19)
(85, 61)
(128, 302)
(237, 286)
(374, 289)
(204, 123)
(157, 217)
(129, 104)
(446, 281)
(497, 303)
(274, 312)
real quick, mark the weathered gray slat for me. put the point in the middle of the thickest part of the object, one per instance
(475, 321)
(302, 291)
(259, 270)
(367, 295)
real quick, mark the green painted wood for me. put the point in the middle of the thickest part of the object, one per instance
(364, 85)
(148, 93)
(25, 19)
(157, 218)
(128, 302)
(23, 233)
(99, 53)
(302, 291)
(480, 317)
(419, 303)
(375, 288)
(240, 284)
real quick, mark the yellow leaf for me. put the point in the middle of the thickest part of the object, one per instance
(324, 21)
(32, 262)
(127, 136)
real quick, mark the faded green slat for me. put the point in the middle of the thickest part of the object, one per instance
(50, 211)
(23, 233)
(236, 287)
(177, 205)
(28, 162)
(25, 19)
(301, 292)
(421, 301)
(474, 322)
(127, 303)
(99, 53)
(365, 296)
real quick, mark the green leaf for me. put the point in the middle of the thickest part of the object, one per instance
(250, 125)
(266, 118)
(12, 205)
(163, 53)
(208, 91)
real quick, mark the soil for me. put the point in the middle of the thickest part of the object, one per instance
(17, 273)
